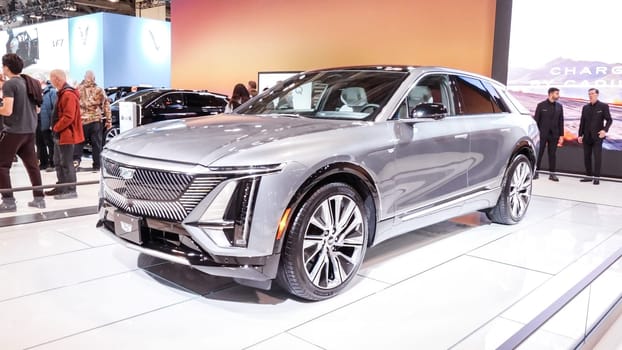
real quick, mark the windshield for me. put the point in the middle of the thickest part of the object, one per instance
(335, 94)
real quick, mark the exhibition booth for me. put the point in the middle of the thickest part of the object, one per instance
(120, 50)
(551, 280)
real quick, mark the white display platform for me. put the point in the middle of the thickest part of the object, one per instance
(463, 284)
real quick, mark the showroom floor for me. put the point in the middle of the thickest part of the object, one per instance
(463, 284)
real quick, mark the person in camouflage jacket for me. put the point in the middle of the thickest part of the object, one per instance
(95, 108)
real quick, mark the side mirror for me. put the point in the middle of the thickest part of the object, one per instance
(157, 106)
(424, 111)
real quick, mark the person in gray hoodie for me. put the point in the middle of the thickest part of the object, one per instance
(45, 143)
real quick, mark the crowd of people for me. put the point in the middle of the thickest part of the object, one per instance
(46, 123)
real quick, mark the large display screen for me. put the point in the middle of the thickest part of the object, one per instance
(43, 47)
(568, 44)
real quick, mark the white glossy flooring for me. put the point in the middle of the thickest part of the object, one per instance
(462, 284)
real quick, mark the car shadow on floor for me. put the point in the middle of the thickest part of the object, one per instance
(190, 280)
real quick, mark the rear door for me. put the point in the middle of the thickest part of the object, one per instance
(480, 104)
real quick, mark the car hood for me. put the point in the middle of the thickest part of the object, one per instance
(204, 140)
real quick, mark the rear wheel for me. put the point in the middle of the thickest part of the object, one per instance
(516, 193)
(325, 243)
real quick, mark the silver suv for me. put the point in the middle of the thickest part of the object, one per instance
(302, 179)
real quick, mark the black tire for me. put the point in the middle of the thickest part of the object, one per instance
(294, 275)
(505, 212)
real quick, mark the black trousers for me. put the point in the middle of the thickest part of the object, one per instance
(595, 148)
(22, 145)
(63, 161)
(92, 135)
(551, 144)
(45, 148)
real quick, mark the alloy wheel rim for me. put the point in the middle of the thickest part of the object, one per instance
(333, 242)
(520, 190)
(111, 134)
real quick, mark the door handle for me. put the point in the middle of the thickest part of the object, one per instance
(461, 136)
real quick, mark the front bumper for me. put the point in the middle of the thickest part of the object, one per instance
(170, 241)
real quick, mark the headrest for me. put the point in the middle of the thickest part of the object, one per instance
(354, 96)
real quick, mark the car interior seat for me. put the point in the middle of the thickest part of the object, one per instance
(353, 99)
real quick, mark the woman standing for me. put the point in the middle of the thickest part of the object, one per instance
(240, 95)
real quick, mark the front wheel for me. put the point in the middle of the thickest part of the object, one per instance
(325, 243)
(516, 193)
(110, 134)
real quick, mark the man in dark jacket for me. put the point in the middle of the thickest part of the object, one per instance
(595, 123)
(45, 143)
(67, 128)
(550, 119)
(17, 137)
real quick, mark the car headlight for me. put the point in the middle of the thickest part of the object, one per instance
(228, 218)
(250, 170)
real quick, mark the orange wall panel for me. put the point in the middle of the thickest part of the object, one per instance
(218, 43)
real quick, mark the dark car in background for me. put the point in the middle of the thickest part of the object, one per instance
(117, 92)
(164, 104)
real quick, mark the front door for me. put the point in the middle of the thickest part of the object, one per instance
(431, 163)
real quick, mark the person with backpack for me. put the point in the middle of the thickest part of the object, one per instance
(45, 144)
(19, 114)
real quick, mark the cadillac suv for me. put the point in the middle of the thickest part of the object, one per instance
(302, 179)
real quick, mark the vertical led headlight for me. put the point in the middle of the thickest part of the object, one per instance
(228, 218)
(240, 210)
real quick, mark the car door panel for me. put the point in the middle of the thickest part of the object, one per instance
(489, 130)
(430, 162)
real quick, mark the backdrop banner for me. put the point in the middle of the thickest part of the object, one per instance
(548, 48)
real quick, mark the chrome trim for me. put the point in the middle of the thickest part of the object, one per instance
(155, 193)
(249, 170)
(151, 252)
(216, 224)
(436, 207)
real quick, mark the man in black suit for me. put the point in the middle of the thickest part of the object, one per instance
(550, 119)
(595, 123)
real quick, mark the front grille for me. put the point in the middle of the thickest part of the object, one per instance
(155, 193)
(146, 184)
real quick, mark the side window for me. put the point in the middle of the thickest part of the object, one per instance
(497, 102)
(172, 101)
(475, 99)
(430, 89)
(195, 100)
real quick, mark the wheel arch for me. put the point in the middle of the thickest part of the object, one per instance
(351, 174)
(526, 147)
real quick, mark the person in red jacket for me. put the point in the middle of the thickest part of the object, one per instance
(67, 131)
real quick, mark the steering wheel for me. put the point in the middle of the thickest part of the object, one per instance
(370, 105)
